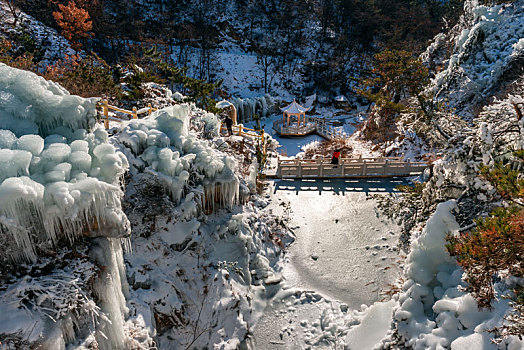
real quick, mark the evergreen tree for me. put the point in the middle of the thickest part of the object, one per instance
(495, 247)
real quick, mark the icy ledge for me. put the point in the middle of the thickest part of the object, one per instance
(162, 145)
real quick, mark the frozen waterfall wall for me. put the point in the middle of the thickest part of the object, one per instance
(169, 150)
(248, 107)
(60, 179)
(61, 184)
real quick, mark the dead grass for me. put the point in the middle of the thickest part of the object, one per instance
(326, 148)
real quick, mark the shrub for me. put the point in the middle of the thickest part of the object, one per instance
(74, 22)
(86, 77)
(495, 248)
(17, 60)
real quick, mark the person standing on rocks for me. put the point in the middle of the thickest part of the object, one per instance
(229, 124)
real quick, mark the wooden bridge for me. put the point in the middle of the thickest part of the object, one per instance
(347, 168)
(311, 125)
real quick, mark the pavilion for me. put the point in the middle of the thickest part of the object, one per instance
(294, 121)
(294, 110)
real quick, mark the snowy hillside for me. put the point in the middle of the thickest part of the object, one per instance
(487, 48)
(481, 79)
(43, 41)
(63, 228)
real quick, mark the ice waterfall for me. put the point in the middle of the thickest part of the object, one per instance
(176, 156)
(248, 107)
(60, 179)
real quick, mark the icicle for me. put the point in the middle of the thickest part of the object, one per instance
(94, 212)
(110, 287)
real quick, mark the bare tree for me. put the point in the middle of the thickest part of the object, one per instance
(14, 10)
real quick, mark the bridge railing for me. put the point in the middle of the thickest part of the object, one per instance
(278, 125)
(128, 115)
(247, 133)
(326, 129)
(349, 167)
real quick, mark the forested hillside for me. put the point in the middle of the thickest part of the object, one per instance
(292, 46)
(166, 226)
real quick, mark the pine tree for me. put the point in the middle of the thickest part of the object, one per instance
(495, 248)
(396, 75)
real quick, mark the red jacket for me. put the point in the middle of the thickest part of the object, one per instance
(336, 154)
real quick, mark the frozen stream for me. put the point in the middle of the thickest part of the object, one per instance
(343, 254)
(290, 146)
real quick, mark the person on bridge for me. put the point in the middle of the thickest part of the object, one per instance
(229, 125)
(336, 156)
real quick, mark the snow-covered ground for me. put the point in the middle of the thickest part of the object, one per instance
(51, 44)
(343, 256)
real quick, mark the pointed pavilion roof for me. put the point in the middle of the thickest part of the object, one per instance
(294, 108)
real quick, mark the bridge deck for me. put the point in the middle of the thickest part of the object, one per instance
(347, 168)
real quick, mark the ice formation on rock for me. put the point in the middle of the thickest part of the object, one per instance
(180, 160)
(58, 175)
(29, 104)
(248, 107)
(111, 288)
(59, 179)
(488, 45)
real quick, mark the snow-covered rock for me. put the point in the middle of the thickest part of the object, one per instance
(488, 53)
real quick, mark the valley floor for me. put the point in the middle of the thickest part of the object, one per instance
(344, 256)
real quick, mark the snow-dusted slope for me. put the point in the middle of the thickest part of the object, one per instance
(435, 310)
(487, 48)
(50, 44)
(201, 259)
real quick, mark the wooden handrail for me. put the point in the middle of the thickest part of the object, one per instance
(134, 113)
(240, 130)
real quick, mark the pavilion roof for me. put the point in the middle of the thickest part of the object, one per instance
(223, 104)
(294, 108)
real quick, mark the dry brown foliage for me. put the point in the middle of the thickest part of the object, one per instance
(326, 148)
(74, 22)
(24, 61)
